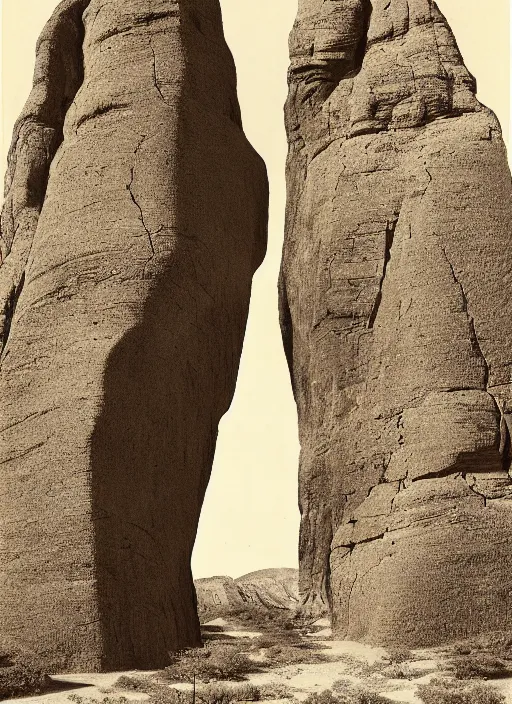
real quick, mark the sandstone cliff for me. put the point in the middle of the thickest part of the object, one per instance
(396, 311)
(134, 218)
(267, 589)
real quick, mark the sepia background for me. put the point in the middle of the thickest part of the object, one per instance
(250, 519)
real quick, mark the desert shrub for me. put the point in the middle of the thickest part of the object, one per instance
(217, 661)
(269, 640)
(158, 693)
(132, 683)
(439, 691)
(77, 699)
(276, 691)
(280, 655)
(20, 674)
(218, 693)
(266, 619)
(167, 695)
(397, 671)
(347, 693)
(399, 655)
(481, 665)
(325, 697)
(498, 643)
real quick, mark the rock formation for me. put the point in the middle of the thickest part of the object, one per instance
(396, 312)
(267, 589)
(134, 219)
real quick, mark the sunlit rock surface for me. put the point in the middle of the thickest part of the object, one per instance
(396, 311)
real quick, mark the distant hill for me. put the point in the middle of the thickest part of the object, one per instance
(272, 588)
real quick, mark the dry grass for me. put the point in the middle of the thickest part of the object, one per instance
(439, 691)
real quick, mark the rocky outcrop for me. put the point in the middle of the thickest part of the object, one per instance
(134, 218)
(267, 589)
(396, 311)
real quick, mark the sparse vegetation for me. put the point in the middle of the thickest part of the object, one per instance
(20, 675)
(281, 655)
(217, 693)
(137, 683)
(399, 655)
(217, 661)
(479, 666)
(497, 643)
(213, 693)
(441, 691)
(347, 693)
(273, 620)
(77, 699)
(276, 691)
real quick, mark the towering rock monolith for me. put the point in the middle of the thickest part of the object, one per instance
(134, 219)
(396, 311)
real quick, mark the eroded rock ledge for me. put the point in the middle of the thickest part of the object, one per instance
(396, 315)
(134, 219)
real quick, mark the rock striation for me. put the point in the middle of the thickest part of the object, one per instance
(396, 312)
(134, 218)
(266, 589)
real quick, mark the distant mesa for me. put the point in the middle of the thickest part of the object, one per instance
(272, 588)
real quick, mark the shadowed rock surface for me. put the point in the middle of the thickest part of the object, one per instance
(396, 312)
(134, 219)
(268, 589)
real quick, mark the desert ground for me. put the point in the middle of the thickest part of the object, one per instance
(257, 654)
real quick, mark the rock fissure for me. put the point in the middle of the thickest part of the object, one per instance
(390, 236)
(141, 213)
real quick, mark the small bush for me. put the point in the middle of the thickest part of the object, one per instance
(439, 691)
(347, 693)
(325, 697)
(397, 671)
(163, 694)
(399, 655)
(218, 661)
(281, 655)
(498, 643)
(77, 699)
(479, 666)
(20, 674)
(223, 694)
(130, 683)
(276, 691)
(269, 640)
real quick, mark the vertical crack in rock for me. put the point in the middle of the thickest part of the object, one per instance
(141, 213)
(10, 307)
(155, 74)
(390, 236)
(475, 343)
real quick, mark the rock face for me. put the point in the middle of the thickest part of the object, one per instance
(134, 219)
(270, 589)
(396, 311)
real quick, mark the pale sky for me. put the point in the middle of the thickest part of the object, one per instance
(250, 518)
